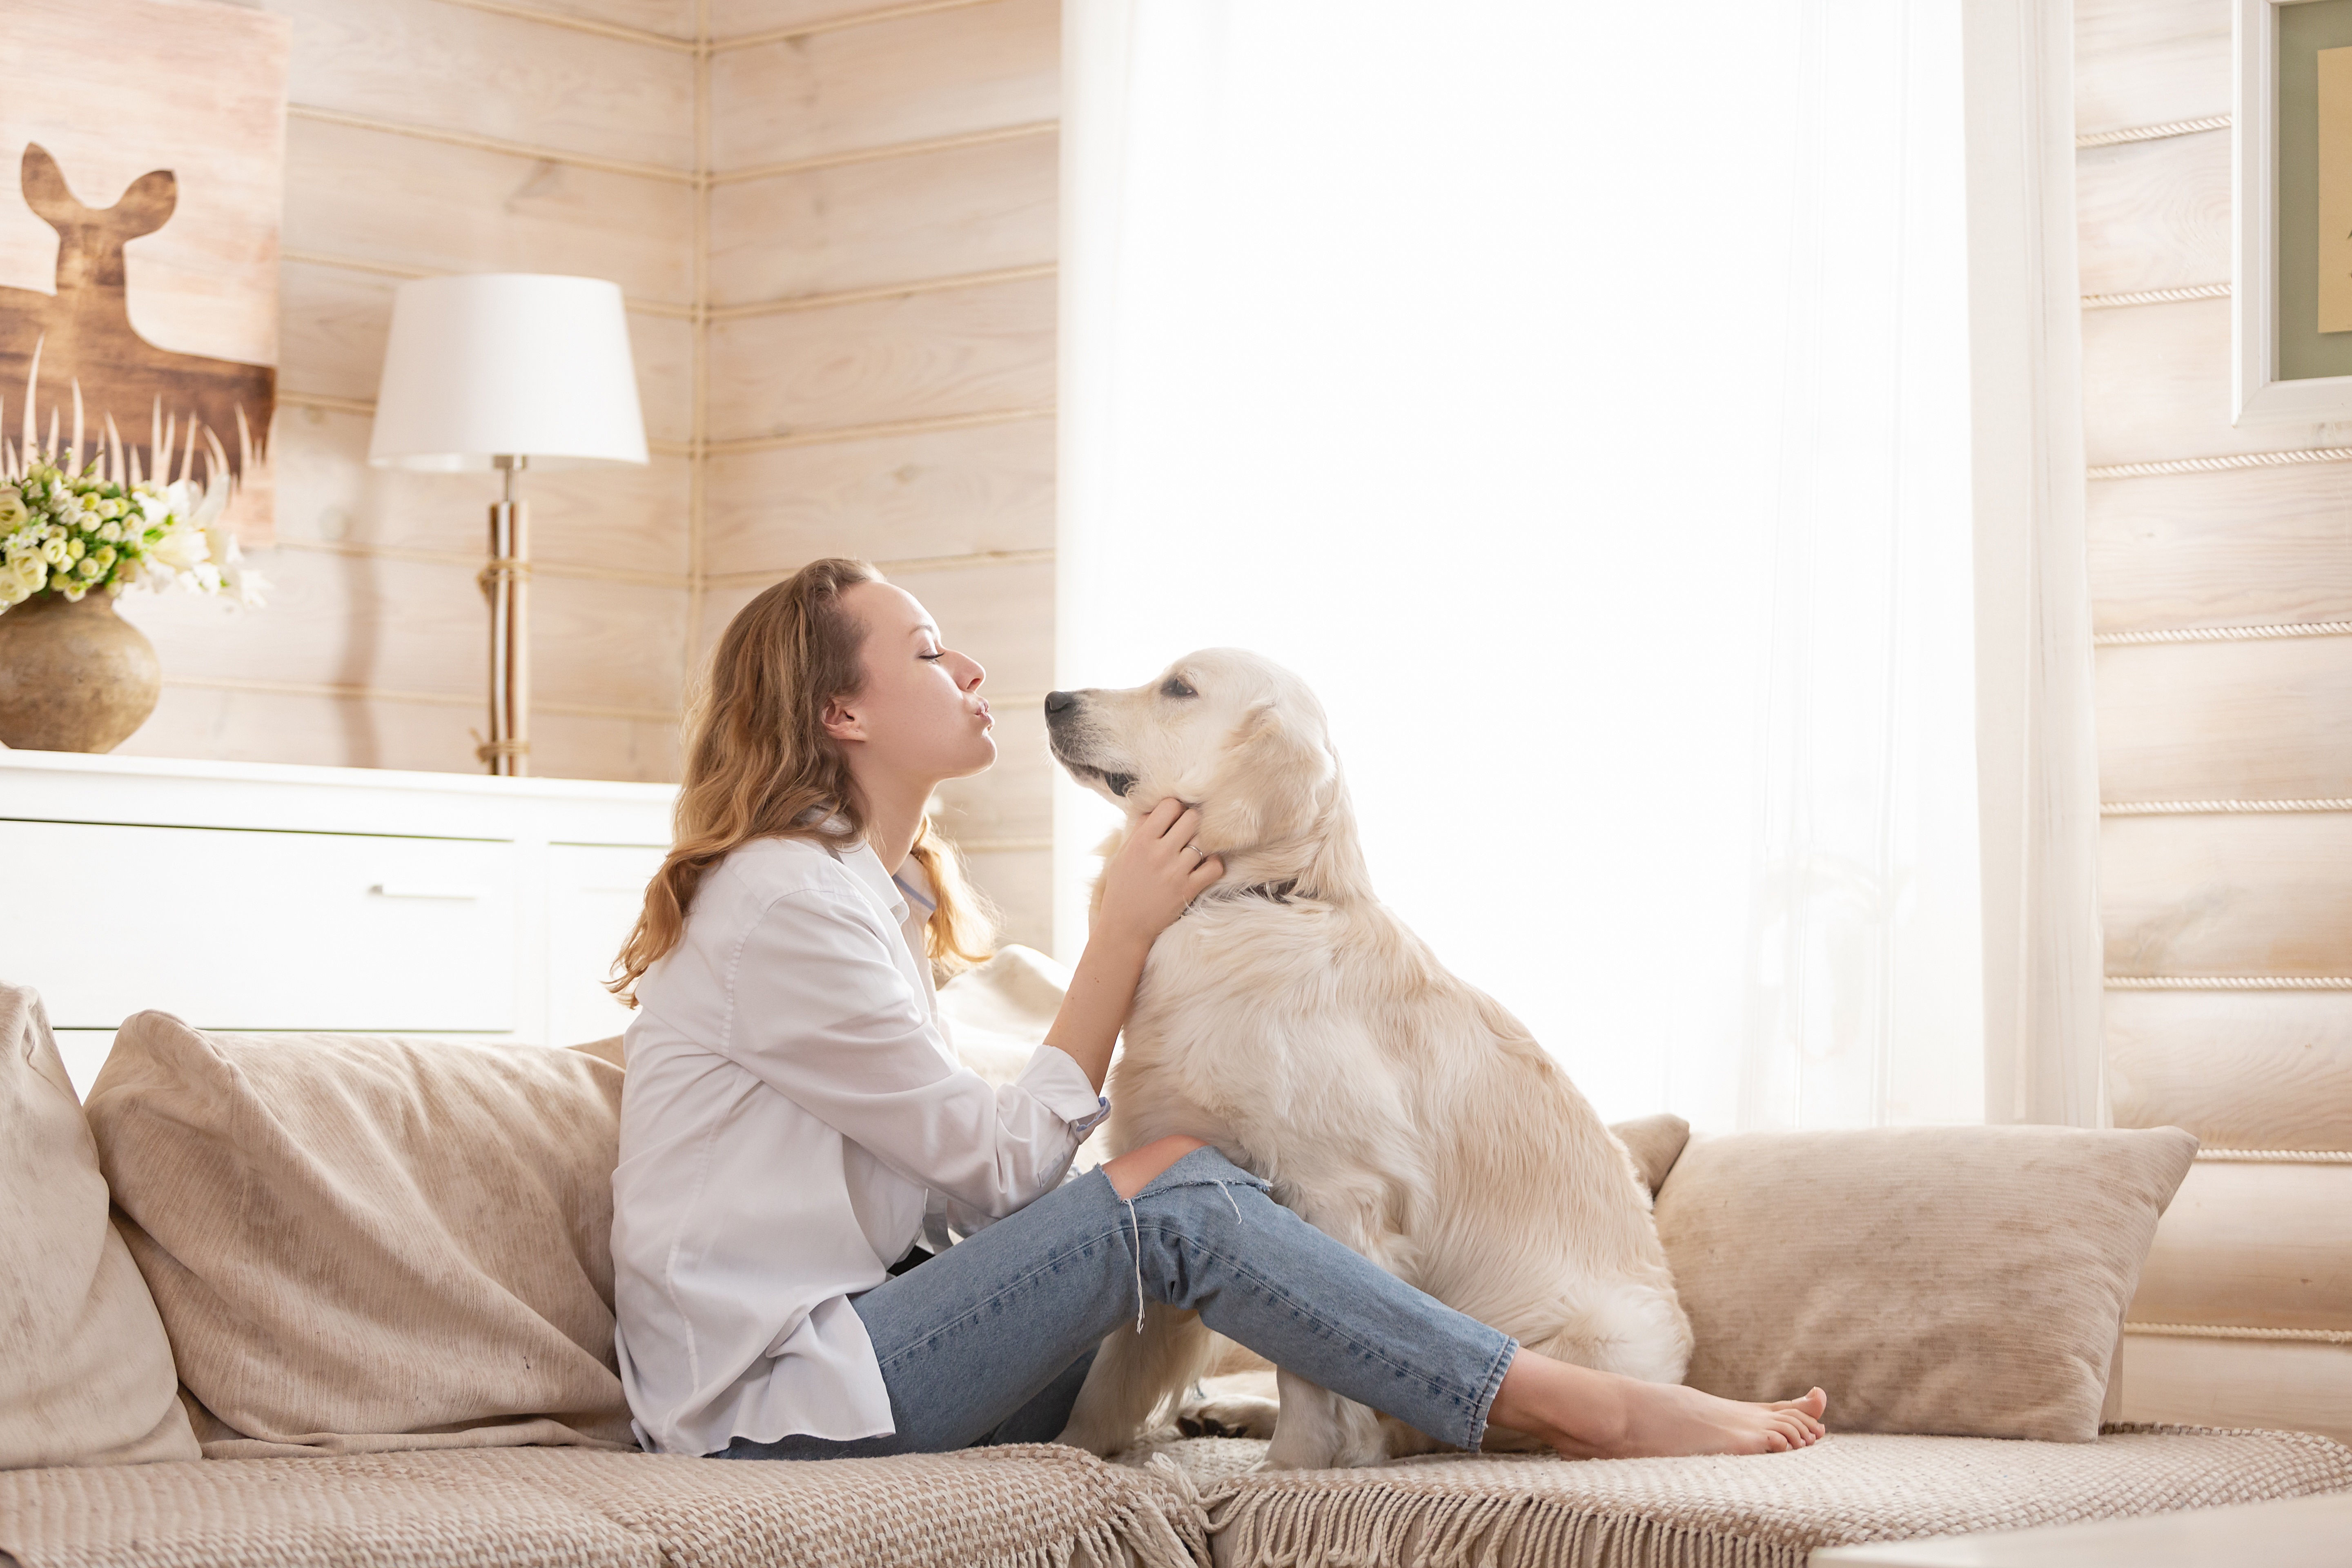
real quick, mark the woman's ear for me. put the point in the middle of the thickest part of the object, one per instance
(841, 722)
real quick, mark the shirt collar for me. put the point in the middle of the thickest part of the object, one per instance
(866, 866)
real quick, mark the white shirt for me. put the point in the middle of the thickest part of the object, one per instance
(793, 1112)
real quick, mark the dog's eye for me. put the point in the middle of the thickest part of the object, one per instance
(1174, 687)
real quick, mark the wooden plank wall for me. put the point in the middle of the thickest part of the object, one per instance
(423, 137)
(2222, 579)
(883, 239)
(836, 229)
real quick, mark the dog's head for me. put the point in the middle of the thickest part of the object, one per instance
(1233, 734)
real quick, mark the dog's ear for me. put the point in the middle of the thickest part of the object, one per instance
(1268, 784)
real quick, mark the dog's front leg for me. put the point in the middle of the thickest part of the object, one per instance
(1319, 1430)
(1134, 1377)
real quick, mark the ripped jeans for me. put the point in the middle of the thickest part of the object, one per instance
(988, 1341)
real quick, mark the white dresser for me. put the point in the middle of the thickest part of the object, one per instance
(254, 896)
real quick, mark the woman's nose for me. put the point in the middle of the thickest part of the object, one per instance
(975, 674)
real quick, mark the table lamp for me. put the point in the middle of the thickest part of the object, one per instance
(506, 370)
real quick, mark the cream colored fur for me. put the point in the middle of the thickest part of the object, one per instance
(1318, 1043)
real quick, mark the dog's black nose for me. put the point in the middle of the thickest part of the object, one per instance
(1056, 701)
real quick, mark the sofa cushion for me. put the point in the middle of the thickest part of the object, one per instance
(1964, 1281)
(364, 1244)
(525, 1508)
(1770, 1511)
(85, 1371)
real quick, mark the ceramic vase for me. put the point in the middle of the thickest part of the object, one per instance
(73, 677)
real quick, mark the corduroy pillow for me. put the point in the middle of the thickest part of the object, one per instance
(1964, 1280)
(85, 1371)
(363, 1243)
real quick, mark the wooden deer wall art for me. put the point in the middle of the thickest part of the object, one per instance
(81, 361)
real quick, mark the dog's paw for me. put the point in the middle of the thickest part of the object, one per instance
(1239, 1404)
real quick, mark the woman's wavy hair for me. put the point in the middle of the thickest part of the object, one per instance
(760, 765)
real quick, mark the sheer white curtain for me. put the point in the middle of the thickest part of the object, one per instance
(1578, 398)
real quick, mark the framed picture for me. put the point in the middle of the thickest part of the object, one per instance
(141, 175)
(2290, 268)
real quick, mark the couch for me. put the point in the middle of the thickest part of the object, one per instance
(329, 1299)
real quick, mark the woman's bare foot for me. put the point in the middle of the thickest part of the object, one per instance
(1588, 1415)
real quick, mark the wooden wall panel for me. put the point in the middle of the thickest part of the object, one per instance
(2259, 1070)
(2253, 1245)
(2156, 385)
(2149, 62)
(378, 732)
(2237, 547)
(315, 730)
(418, 62)
(1000, 615)
(899, 498)
(854, 225)
(2226, 720)
(957, 498)
(2227, 895)
(945, 73)
(672, 18)
(919, 356)
(578, 746)
(331, 331)
(399, 202)
(336, 620)
(2227, 1383)
(2258, 896)
(2154, 215)
(619, 519)
(741, 18)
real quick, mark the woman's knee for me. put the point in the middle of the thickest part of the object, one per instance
(1130, 1173)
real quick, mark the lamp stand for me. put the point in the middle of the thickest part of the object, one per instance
(506, 583)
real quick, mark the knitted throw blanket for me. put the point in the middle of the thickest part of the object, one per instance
(1504, 1512)
(1035, 1507)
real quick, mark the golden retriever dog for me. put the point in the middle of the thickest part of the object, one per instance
(1292, 1020)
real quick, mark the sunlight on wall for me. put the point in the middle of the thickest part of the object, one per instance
(1580, 404)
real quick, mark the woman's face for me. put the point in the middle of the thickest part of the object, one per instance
(920, 717)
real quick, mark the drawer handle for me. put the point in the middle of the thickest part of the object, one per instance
(422, 890)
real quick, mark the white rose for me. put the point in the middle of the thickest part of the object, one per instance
(74, 593)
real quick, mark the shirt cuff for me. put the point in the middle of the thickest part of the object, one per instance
(1061, 1086)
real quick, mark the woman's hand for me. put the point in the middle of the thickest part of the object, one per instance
(1155, 874)
(1146, 886)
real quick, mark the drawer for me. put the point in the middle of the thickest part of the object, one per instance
(238, 930)
(594, 894)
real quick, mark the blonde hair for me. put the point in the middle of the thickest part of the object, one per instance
(759, 764)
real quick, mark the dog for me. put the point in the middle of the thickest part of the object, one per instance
(1293, 1021)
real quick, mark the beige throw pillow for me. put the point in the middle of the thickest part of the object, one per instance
(1964, 1280)
(368, 1243)
(1656, 1142)
(85, 1371)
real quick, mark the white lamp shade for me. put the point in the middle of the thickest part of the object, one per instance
(507, 364)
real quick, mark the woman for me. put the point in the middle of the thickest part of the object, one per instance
(795, 1120)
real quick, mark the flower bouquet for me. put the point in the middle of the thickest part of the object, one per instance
(74, 533)
(74, 676)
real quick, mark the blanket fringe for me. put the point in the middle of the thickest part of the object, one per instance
(1369, 1526)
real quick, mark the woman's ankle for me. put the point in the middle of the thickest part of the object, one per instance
(1571, 1407)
